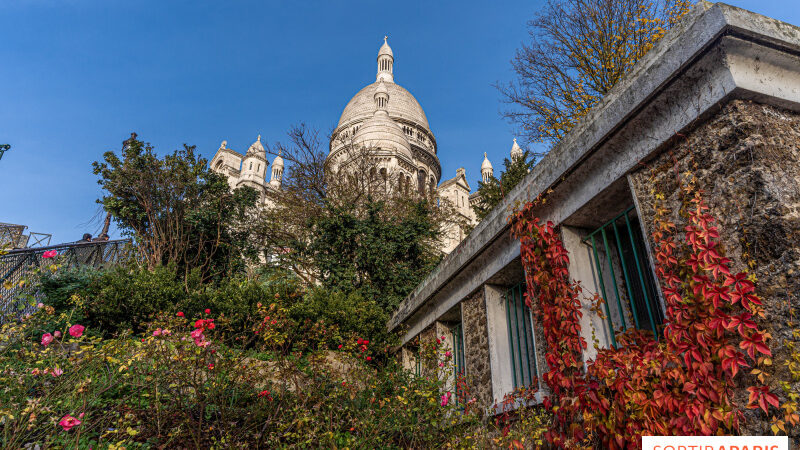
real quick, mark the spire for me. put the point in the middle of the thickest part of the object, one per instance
(516, 151)
(385, 62)
(487, 171)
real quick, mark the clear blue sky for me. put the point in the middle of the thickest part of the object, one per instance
(77, 76)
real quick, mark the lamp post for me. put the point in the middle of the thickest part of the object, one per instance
(3, 148)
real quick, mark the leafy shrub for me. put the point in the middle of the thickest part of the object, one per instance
(350, 314)
(180, 386)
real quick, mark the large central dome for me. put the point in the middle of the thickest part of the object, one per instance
(403, 106)
(386, 118)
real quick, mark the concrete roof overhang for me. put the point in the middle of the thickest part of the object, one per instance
(716, 54)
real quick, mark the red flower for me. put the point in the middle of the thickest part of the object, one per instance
(49, 254)
(207, 311)
(180, 314)
(369, 358)
(211, 366)
(68, 422)
(76, 330)
(340, 345)
(47, 338)
(199, 323)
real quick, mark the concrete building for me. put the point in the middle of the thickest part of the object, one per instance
(719, 96)
(250, 169)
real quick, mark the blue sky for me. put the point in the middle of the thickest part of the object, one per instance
(78, 76)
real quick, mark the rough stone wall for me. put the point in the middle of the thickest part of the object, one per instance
(747, 161)
(476, 348)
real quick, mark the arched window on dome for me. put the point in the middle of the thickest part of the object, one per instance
(219, 164)
(421, 176)
(372, 174)
(408, 183)
(383, 174)
(432, 184)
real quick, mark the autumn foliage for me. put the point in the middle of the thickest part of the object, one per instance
(684, 383)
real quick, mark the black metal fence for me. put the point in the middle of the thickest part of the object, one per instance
(18, 292)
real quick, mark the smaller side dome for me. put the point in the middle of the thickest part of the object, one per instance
(486, 164)
(257, 149)
(278, 161)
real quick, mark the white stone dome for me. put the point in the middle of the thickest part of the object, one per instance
(486, 164)
(403, 106)
(380, 133)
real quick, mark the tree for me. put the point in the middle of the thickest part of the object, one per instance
(383, 255)
(578, 50)
(177, 210)
(316, 194)
(493, 191)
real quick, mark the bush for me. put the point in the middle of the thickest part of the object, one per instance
(350, 314)
(180, 386)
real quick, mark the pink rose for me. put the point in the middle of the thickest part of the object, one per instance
(47, 338)
(157, 332)
(447, 353)
(57, 372)
(57, 334)
(68, 422)
(50, 254)
(445, 398)
(40, 305)
(76, 330)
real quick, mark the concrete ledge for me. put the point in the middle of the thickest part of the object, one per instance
(717, 53)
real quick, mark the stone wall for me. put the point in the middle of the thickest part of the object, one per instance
(747, 161)
(476, 348)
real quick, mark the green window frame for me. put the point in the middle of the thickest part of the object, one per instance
(521, 341)
(622, 242)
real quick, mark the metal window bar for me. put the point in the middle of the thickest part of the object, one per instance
(621, 238)
(459, 360)
(520, 337)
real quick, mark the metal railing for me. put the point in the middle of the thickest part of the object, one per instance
(18, 266)
(521, 341)
(620, 244)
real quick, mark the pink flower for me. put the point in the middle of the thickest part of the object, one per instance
(441, 364)
(211, 367)
(57, 372)
(36, 371)
(50, 254)
(197, 333)
(40, 305)
(447, 353)
(445, 398)
(68, 422)
(47, 338)
(76, 330)
(166, 332)
(57, 334)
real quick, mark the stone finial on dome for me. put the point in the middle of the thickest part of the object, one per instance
(385, 62)
(516, 151)
(487, 171)
(224, 145)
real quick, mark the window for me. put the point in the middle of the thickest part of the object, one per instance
(521, 342)
(459, 361)
(624, 275)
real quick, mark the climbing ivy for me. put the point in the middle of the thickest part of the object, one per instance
(682, 384)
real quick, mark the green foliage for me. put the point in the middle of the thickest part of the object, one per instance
(177, 209)
(381, 255)
(177, 389)
(492, 192)
(350, 313)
